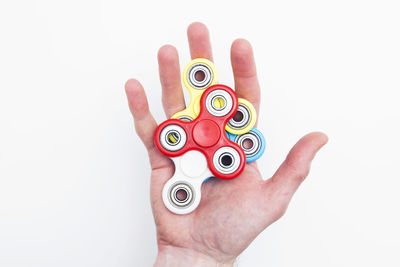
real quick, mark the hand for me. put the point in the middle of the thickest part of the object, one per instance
(231, 213)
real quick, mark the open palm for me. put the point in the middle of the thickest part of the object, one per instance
(231, 212)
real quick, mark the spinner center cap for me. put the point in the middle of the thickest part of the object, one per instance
(206, 133)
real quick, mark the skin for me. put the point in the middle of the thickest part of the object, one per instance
(231, 213)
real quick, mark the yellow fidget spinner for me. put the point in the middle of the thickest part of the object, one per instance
(200, 74)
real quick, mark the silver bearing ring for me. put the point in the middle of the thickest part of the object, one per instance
(186, 191)
(185, 118)
(222, 97)
(253, 138)
(241, 119)
(173, 137)
(207, 72)
(226, 160)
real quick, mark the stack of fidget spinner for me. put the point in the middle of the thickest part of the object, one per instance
(212, 137)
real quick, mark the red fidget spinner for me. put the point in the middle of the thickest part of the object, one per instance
(218, 104)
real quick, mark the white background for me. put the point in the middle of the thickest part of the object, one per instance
(74, 178)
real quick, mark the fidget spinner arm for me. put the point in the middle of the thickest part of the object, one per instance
(182, 192)
(196, 85)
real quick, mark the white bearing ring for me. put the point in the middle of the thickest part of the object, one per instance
(208, 76)
(219, 111)
(238, 125)
(178, 133)
(226, 160)
(173, 192)
(254, 138)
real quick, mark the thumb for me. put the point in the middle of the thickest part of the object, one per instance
(296, 167)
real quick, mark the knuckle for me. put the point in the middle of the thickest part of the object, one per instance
(297, 170)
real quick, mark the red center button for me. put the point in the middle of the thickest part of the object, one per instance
(206, 133)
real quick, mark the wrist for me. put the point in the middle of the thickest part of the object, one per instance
(174, 256)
